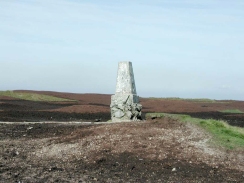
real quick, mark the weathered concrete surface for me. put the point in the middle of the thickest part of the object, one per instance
(125, 79)
(125, 103)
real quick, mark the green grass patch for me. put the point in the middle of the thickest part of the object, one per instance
(234, 111)
(223, 134)
(33, 97)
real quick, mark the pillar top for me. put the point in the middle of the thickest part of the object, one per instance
(125, 78)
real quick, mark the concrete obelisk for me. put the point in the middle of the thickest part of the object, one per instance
(125, 103)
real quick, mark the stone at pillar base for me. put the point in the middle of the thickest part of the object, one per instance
(125, 107)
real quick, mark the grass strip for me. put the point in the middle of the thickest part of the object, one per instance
(33, 97)
(232, 111)
(223, 134)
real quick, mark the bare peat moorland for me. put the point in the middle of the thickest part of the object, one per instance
(180, 140)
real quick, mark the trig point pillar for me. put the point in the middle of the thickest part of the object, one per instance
(125, 103)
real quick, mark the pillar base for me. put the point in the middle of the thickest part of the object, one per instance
(125, 108)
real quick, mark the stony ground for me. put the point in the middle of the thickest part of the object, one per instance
(161, 150)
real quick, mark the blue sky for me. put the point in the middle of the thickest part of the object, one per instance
(179, 48)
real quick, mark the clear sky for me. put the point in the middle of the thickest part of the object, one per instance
(178, 48)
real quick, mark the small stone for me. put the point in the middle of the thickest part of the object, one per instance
(174, 170)
(15, 153)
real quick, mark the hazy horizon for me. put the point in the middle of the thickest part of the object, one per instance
(178, 48)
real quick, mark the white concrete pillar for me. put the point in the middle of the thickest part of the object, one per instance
(125, 103)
